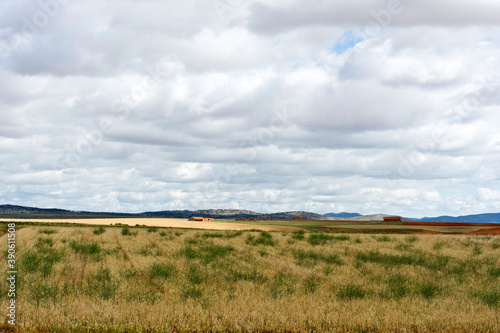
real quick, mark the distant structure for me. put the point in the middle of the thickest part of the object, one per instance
(300, 218)
(392, 218)
(201, 219)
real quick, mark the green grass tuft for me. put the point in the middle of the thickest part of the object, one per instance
(99, 230)
(350, 291)
(162, 270)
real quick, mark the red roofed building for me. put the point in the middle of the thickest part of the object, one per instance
(201, 219)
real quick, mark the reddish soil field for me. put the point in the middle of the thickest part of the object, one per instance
(492, 231)
(453, 224)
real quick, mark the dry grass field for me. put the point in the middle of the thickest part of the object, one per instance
(126, 279)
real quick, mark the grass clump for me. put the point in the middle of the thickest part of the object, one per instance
(321, 239)
(494, 272)
(411, 239)
(47, 231)
(126, 232)
(437, 246)
(43, 291)
(85, 249)
(265, 238)
(41, 260)
(398, 286)
(101, 284)
(195, 275)
(383, 238)
(311, 258)
(429, 290)
(311, 283)
(350, 291)
(282, 284)
(99, 230)
(476, 250)
(298, 235)
(162, 270)
(191, 291)
(152, 229)
(235, 275)
(490, 296)
(44, 242)
(206, 252)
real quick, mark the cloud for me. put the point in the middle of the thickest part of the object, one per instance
(269, 106)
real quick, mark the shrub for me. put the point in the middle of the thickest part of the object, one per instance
(350, 291)
(152, 229)
(163, 233)
(99, 230)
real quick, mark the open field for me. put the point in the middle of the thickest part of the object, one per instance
(162, 222)
(113, 279)
(286, 225)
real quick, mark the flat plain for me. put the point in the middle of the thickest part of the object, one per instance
(138, 279)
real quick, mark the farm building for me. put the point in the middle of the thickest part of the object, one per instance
(201, 219)
(392, 218)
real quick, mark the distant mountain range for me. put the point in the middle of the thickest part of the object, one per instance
(343, 215)
(14, 211)
(478, 218)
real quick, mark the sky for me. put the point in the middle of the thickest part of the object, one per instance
(323, 106)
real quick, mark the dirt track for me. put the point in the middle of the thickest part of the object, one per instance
(164, 222)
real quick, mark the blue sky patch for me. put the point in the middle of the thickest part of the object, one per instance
(346, 41)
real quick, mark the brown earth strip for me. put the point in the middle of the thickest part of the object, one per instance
(492, 231)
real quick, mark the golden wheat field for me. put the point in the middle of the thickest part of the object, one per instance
(128, 279)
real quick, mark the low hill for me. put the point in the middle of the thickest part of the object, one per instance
(477, 218)
(343, 215)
